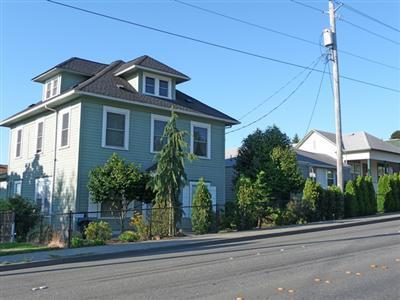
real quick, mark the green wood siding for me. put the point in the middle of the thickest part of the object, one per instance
(92, 154)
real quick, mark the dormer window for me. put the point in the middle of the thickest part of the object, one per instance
(158, 86)
(52, 87)
(150, 85)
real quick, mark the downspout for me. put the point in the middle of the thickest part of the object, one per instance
(55, 159)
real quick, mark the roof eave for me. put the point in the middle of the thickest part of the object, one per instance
(133, 67)
(38, 108)
(227, 122)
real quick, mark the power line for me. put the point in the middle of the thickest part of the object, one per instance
(280, 89)
(280, 104)
(287, 35)
(214, 44)
(369, 17)
(316, 99)
(369, 31)
(308, 6)
(348, 22)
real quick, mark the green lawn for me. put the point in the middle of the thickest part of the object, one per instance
(19, 248)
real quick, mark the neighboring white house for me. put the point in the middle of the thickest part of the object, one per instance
(363, 152)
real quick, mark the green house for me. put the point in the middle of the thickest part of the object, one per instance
(88, 111)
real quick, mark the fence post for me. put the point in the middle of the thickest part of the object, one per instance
(216, 218)
(150, 221)
(69, 228)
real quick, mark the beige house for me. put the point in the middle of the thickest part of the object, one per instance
(363, 152)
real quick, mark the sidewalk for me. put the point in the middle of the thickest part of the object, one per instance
(53, 257)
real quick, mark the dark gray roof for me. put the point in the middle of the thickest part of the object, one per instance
(315, 159)
(105, 83)
(360, 141)
(151, 63)
(78, 65)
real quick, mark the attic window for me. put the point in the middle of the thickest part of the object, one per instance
(52, 87)
(157, 86)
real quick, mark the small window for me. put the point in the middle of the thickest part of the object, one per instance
(19, 143)
(150, 85)
(200, 140)
(115, 128)
(163, 89)
(158, 126)
(39, 138)
(17, 188)
(43, 194)
(106, 210)
(382, 170)
(65, 129)
(48, 90)
(52, 87)
(330, 178)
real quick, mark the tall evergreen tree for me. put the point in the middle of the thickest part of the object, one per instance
(295, 139)
(170, 175)
(202, 209)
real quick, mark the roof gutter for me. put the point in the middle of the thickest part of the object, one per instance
(44, 106)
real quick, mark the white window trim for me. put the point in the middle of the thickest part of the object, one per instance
(155, 118)
(15, 182)
(60, 118)
(157, 79)
(116, 110)
(50, 179)
(51, 80)
(36, 135)
(201, 125)
(16, 142)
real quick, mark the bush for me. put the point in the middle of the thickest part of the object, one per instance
(335, 203)
(313, 195)
(142, 229)
(98, 232)
(202, 209)
(371, 195)
(26, 215)
(389, 193)
(296, 212)
(246, 198)
(229, 216)
(40, 234)
(350, 200)
(129, 236)
(160, 220)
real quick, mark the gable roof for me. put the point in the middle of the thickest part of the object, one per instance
(104, 83)
(147, 62)
(74, 65)
(357, 141)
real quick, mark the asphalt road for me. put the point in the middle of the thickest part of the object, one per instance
(360, 262)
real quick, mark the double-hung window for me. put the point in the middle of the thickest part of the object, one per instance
(157, 86)
(163, 88)
(39, 137)
(43, 188)
(18, 150)
(115, 128)
(157, 131)
(52, 87)
(150, 85)
(201, 139)
(65, 126)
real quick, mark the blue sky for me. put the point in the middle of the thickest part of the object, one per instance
(36, 35)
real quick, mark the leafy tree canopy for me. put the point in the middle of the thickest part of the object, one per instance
(255, 153)
(395, 135)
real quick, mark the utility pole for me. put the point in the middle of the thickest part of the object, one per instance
(336, 93)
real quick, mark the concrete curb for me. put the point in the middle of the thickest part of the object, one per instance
(193, 244)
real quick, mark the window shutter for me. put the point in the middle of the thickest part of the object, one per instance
(186, 201)
(213, 192)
